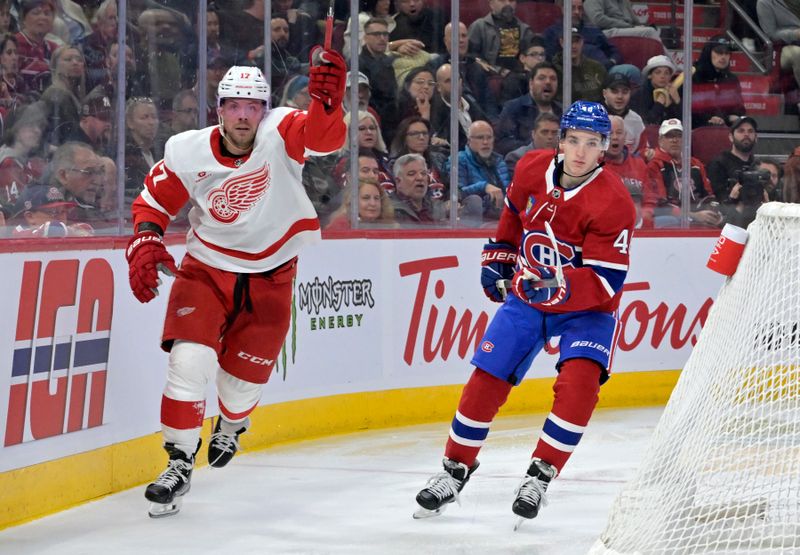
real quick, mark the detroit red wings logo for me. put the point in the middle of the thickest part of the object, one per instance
(238, 194)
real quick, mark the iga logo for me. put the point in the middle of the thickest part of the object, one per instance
(58, 383)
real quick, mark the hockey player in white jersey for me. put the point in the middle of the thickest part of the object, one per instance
(229, 307)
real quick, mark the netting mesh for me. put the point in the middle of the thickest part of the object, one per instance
(722, 472)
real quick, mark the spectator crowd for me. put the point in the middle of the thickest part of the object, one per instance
(59, 111)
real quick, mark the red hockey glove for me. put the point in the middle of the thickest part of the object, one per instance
(528, 285)
(497, 265)
(147, 255)
(327, 78)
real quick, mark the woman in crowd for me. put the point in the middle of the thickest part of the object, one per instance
(141, 150)
(374, 208)
(716, 91)
(22, 160)
(416, 94)
(64, 96)
(295, 93)
(12, 88)
(370, 140)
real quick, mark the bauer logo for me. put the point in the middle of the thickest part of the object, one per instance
(60, 356)
(335, 303)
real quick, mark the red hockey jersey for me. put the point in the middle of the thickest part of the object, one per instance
(593, 224)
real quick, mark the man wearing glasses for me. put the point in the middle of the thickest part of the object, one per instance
(79, 173)
(379, 69)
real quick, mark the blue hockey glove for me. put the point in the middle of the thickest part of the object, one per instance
(538, 285)
(498, 262)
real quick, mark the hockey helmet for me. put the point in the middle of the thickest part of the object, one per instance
(587, 116)
(243, 82)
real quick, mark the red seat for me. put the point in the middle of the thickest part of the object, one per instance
(709, 142)
(637, 50)
(470, 11)
(539, 15)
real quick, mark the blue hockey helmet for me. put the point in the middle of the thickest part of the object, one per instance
(587, 116)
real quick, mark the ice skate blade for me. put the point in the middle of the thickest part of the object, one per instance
(160, 510)
(520, 521)
(422, 512)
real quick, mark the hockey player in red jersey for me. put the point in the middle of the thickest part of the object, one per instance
(562, 250)
(229, 307)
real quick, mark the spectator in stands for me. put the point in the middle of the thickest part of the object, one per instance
(35, 51)
(658, 99)
(500, 36)
(515, 84)
(95, 124)
(377, 66)
(133, 85)
(215, 70)
(79, 173)
(415, 20)
(616, 19)
(141, 150)
(545, 135)
(469, 109)
(482, 176)
(774, 188)
(516, 120)
(617, 100)
(65, 95)
(375, 208)
(96, 45)
(167, 54)
(411, 202)
(303, 30)
(381, 9)
(416, 94)
(284, 64)
(70, 25)
(474, 72)
(213, 44)
(739, 200)
(716, 92)
(791, 180)
(595, 44)
(44, 212)
(185, 113)
(241, 31)
(22, 156)
(12, 87)
(780, 20)
(631, 168)
(295, 93)
(7, 23)
(371, 140)
(414, 137)
(587, 75)
(364, 95)
(662, 195)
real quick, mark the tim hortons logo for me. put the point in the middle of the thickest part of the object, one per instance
(660, 326)
(238, 194)
(58, 381)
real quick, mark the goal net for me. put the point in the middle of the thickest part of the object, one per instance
(722, 471)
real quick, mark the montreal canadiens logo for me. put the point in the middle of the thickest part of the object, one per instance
(487, 346)
(238, 194)
(538, 249)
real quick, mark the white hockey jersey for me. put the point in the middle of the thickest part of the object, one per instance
(249, 214)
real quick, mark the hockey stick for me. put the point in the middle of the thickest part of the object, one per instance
(503, 285)
(329, 27)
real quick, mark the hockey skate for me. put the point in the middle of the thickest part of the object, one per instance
(224, 443)
(166, 493)
(530, 493)
(443, 488)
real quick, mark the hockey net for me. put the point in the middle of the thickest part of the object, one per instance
(722, 471)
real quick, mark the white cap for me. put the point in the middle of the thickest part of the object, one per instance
(670, 125)
(243, 82)
(362, 80)
(659, 61)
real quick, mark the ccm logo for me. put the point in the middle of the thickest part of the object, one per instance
(499, 256)
(255, 360)
(487, 346)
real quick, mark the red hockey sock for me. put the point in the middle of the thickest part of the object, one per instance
(482, 397)
(576, 390)
(231, 416)
(182, 415)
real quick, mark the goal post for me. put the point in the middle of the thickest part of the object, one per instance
(722, 471)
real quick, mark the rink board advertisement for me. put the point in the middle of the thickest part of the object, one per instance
(81, 365)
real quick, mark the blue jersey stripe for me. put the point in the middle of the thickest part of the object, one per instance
(615, 278)
(560, 434)
(468, 432)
